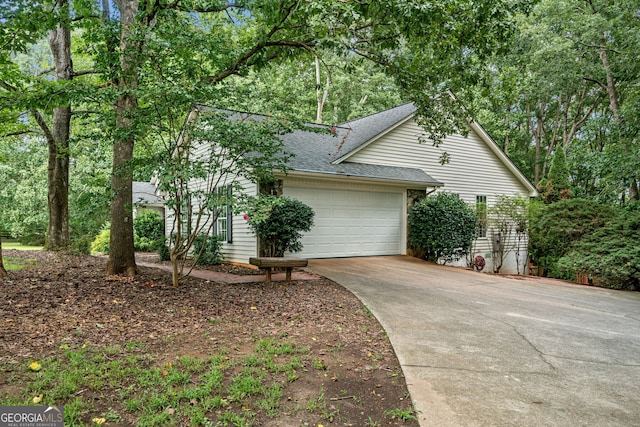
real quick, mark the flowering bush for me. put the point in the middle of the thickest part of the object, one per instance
(278, 222)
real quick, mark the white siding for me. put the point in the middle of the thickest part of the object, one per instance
(473, 169)
(244, 244)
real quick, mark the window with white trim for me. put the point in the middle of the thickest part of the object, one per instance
(224, 219)
(481, 212)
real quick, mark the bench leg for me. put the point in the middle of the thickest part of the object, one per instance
(288, 274)
(267, 277)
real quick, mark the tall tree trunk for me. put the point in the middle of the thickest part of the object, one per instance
(614, 105)
(121, 252)
(321, 95)
(58, 141)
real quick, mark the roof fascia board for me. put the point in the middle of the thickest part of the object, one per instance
(354, 179)
(346, 156)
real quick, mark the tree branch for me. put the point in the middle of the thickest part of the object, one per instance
(8, 87)
(243, 60)
(212, 9)
(47, 71)
(83, 73)
(16, 133)
(43, 125)
(598, 82)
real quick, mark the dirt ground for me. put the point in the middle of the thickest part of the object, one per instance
(70, 300)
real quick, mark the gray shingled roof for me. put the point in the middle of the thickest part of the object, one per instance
(144, 193)
(314, 152)
(366, 128)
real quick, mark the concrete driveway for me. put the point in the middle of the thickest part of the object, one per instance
(480, 350)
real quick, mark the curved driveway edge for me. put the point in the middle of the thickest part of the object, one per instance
(482, 350)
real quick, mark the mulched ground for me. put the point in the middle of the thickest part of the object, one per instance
(70, 300)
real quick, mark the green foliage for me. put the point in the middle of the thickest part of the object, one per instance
(556, 227)
(23, 192)
(81, 245)
(290, 88)
(207, 250)
(101, 243)
(164, 252)
(556, 187)
(279, 222)
(553, 88)
(197, 189)
(609, 254)
(149, 231)
(149, 224)
(509, 224)
(442, 226)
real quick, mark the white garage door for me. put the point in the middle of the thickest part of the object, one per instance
(351, 223)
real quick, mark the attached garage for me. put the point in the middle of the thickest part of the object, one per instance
(351, 222)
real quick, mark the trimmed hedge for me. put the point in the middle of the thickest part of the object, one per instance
(609, 255)
(554, 228)
(442, 227)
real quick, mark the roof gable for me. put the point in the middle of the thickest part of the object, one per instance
(368, 130)
(315, 147)
(364, 130)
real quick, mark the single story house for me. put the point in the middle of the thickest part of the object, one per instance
(145, 198)
(362, 178)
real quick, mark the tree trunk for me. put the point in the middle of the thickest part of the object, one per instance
(3, 271)
(321, 95)
(121, 252)
(58, 142)
(614, 105)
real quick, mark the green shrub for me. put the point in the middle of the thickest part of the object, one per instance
(442, 226)
(101, 242)
(144, 244)
(609, 254)
(149, 231)
(207, 250)
(164, 252)
(556, 186)
(279, 222)
(81, 245)
(554, 228)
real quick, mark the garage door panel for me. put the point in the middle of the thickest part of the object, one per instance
(351, 223)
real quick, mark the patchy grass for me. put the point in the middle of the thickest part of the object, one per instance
(14, 264)
(125, 384)
(13, 244)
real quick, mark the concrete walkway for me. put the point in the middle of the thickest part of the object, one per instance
(482, 350)
(218, 277)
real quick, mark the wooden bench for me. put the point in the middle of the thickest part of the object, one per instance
(268, 263)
